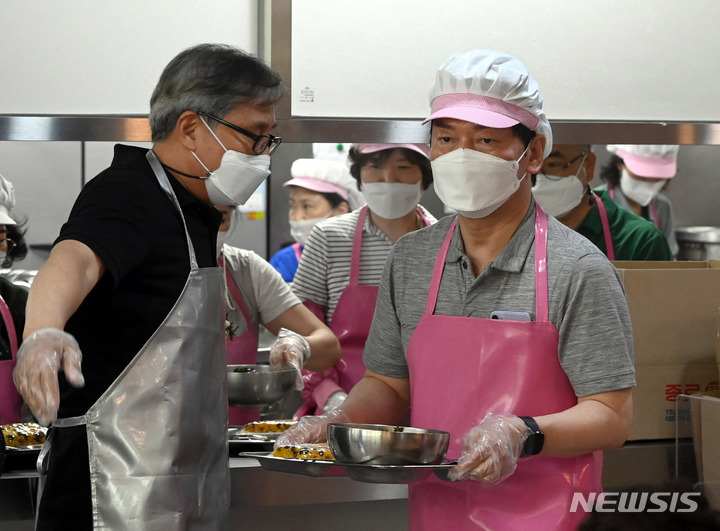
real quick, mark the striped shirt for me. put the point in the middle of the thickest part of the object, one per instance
(324, 270)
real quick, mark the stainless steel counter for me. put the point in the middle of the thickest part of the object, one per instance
(261, 499)
(273, 500)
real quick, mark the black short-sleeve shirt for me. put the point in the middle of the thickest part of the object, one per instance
(131, 224)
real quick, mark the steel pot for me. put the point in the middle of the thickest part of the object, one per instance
(698, 243)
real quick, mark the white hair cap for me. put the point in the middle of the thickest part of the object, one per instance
(489, 88)
(326, 176)
(658, 161)
(7, 201)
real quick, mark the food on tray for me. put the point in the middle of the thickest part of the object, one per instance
(268, 426)
(305, 451)
(24, 434)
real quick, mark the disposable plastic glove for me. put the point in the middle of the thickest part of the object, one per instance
(311, 429)
(290, 350)
(334, 401)
(40, 357)
(491, 449)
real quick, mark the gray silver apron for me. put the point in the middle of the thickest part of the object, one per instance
(157, 438)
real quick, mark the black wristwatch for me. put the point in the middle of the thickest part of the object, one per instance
(536, 439)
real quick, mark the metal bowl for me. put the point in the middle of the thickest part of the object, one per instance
(379, 444)
(258, 385)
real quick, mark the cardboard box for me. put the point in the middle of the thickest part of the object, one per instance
(674, 311)
(700, 419)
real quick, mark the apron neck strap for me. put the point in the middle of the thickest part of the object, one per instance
(234, 295)
(542, 306)
(298, 250)
(438, 270)
(653, 209)
(357, 247)
(423, 216)
(167, 188)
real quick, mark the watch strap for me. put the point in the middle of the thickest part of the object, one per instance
(535, 440)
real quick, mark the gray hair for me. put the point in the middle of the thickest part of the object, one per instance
(210, 78)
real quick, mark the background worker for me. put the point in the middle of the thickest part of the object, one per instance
(255, 295)
(343, 260)
(13, 299)
(634, 178)
(319, 189)
(562, 190)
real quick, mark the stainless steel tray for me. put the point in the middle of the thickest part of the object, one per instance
(317, 468)
(392, 474)
(235, 432)
(397, 473)
(241, 445)
(248, 442)
(25, 449)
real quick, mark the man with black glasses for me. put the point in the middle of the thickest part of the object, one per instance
(124, 337)
(562, 189)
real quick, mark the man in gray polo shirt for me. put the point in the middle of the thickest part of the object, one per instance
(499, 325)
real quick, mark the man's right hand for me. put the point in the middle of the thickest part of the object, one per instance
(40, 357)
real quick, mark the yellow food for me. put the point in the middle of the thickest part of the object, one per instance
(305, 451)
(24, 434)
(268, 426)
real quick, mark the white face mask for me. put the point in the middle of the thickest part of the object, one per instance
(238, 176)
(392, 200)
(475, 184)
(300, 230)
(558, 196)
(642, 192)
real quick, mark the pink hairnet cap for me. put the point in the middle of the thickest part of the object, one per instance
(325, 176)
(655, 161)
(489, 88)
(7, 201)
(423, 149)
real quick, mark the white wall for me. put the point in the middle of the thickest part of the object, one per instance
(104, 57)
(95, 57)
(609, 60)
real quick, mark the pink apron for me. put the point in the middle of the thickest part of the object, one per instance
(240, 349)
(351, 324)
(605, 226)
(353, 315)
(10, 399)
(462, 368)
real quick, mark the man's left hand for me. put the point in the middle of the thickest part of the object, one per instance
(491, 449)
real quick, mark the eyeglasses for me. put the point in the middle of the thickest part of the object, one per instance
(553, 166)
(262, 142)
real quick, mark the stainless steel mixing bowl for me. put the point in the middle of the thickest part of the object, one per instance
(380, 444)
(258, 385)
